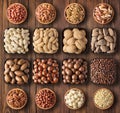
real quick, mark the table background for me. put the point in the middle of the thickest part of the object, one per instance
(60, 24)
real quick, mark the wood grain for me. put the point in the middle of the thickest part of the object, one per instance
(60, 24)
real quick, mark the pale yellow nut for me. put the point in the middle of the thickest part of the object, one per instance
(51, 33)
(45, 40)
(49, 46)
(45, 33)
(36, 37)
(85, 40)
(55, 41)
(54, 47)
(68, 33)
(65, 48)
(55, 32)
(36, 31)
(78, 35)
(52, 39)
(78, 45)
(79, 51)
(71, 41)
(71, 49)
(83, 33)
(64, 41)
(45, 48)
(36, 50)
(76, 30)
(40, 44)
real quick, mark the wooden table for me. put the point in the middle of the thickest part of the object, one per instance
(60, 24)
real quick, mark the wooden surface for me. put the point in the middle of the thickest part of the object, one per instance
(60, 24)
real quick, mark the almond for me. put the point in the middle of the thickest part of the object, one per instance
(19, 73)
(14, 67)
(23, 66)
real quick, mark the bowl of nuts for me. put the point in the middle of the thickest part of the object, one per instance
(45, 99)
(103, 13)
(74, 13)
(103, 98)
(16, 13)
(74, 98)
(45, 13)
(16, 99)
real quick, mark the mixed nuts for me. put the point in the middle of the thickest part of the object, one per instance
(16, 98)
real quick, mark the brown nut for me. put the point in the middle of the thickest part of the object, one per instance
(19, 73)
(45, 71)
(21, 61)
(16, 99)
(45, 13)
(24, 66)
(18, 79)
(25, 78)
(74, 71)
(7, 78)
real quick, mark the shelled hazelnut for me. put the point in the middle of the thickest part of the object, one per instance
(45, 71)
(74, 71)
(103, 13)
